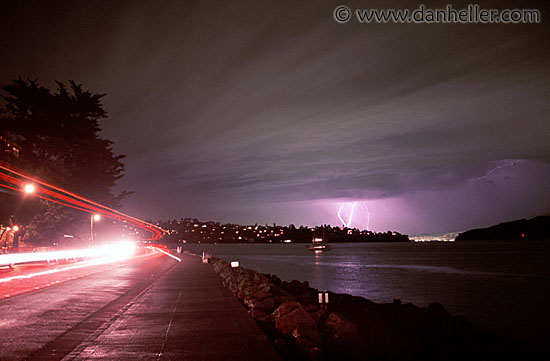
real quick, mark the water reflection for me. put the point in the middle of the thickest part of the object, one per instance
(318, 270)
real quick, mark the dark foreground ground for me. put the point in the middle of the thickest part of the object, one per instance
(153, 309)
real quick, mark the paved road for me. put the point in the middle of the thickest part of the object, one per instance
(153, 309)
(29, 277)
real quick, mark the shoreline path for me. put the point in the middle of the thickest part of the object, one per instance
(152, 309)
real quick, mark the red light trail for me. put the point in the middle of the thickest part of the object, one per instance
(16, 180)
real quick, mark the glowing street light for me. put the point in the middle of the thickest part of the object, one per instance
(15, 228)
(94, 217)
(29, 188)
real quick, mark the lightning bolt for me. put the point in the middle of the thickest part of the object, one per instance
(493, 170)
(350, 218)
(352, 206)
(364, 205)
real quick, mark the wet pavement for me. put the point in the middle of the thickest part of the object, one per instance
(25, 278)
(154, 309)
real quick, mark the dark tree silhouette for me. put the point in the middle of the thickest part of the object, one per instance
(58, 133)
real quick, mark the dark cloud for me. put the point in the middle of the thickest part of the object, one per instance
(274, 112)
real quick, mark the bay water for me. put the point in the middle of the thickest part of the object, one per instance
(502, 286)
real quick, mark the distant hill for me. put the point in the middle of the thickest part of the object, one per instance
(535, 228)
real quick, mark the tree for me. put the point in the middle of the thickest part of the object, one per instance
(58, 134)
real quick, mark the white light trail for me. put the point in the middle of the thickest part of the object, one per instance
(111, 252)
(35, 274)
(168, 254)
(126, 249)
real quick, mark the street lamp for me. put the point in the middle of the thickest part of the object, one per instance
(29, 188)
(15, 243)
(94, 217)
(7, 231)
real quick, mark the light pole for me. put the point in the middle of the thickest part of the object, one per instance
(27, 188)
(94, 217)
(15, 241)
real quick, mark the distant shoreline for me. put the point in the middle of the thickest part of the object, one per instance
(523, 229)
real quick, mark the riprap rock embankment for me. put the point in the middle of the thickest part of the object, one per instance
(354, 328)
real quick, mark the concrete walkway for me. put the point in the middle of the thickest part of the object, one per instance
(187, 314)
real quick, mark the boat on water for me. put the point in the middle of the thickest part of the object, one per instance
(318, 246)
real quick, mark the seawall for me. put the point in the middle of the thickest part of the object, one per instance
(354, 328)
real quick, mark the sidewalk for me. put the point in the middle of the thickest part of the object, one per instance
(186, 315)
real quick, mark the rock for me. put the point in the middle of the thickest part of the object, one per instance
(261, 292)
(341, 328)
(285, 308)
(309, 348)
(316, 312)
(258, 314)
(291, 319)
(279, 342)
(267, 304)
(281, 295)
(312, 335)
(295, 285)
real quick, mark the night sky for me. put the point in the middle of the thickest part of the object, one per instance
(273, 112)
